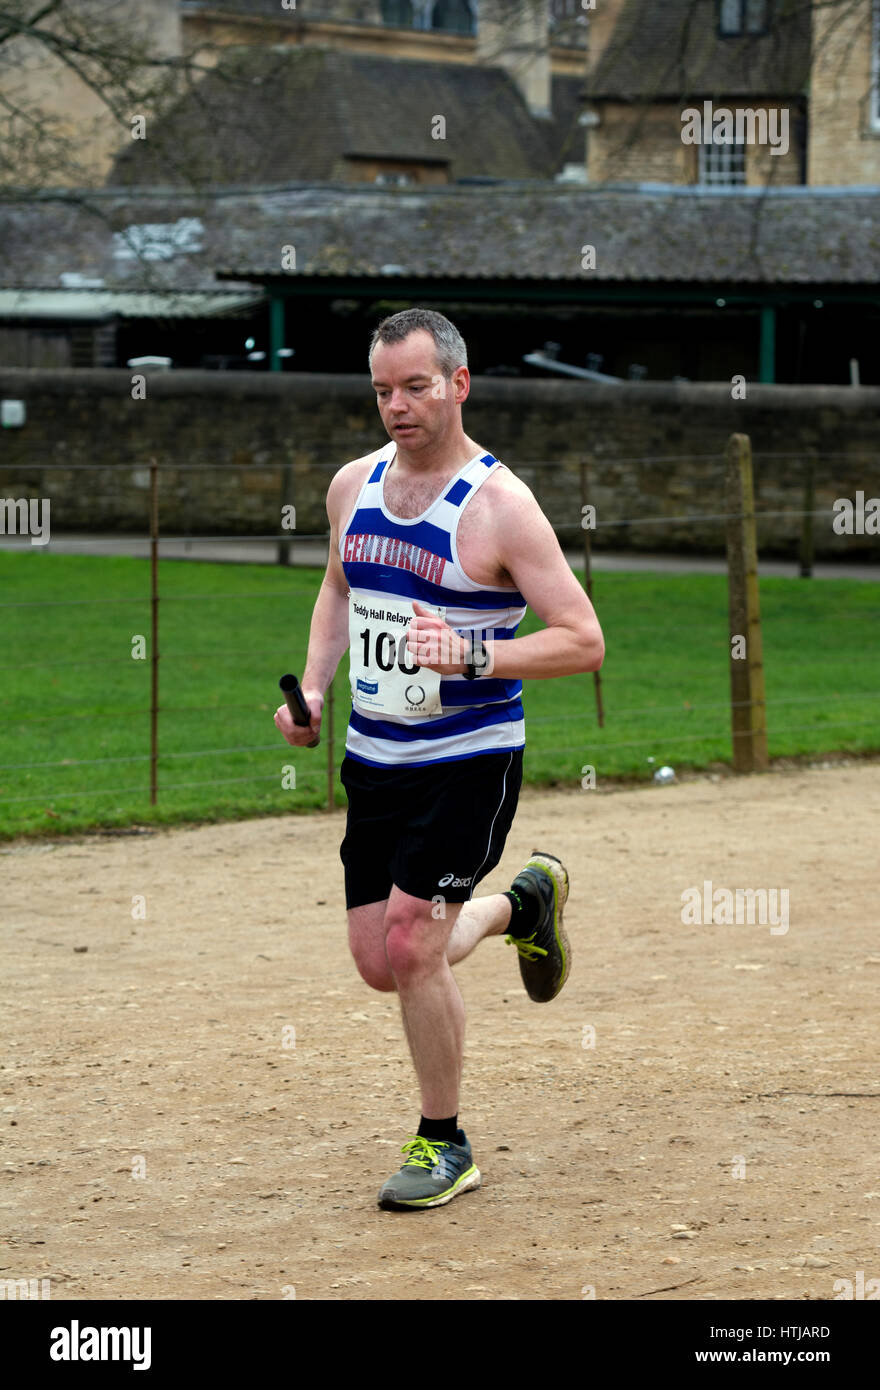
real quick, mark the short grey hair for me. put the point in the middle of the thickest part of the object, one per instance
(449, 345)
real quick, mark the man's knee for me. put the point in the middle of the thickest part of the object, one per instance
(415, 943)
(366, 939)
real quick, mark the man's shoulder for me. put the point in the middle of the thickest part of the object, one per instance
(504, 490)
(356, 468)
(347, 481)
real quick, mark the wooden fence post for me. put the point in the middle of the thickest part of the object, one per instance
(748, 707)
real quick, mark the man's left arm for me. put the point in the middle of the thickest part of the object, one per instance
(572, 640)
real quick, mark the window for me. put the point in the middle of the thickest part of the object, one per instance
(454, 16)
(566, 13)
(398, 13)
(450, 16)
(395, 173)
(722, 166)
(738, 17)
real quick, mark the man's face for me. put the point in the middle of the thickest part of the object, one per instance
(419, 407)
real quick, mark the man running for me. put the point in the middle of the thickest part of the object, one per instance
(436, 548)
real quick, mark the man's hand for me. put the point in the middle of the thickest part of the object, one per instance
(434, 644)
(301, 735)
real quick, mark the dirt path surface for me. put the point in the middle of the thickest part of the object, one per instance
(718, 1140)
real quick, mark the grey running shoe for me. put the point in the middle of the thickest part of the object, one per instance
(435, 1171)
(545, 956)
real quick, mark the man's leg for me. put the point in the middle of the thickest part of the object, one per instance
(430, 1001)
(366, 940)
(489, 916)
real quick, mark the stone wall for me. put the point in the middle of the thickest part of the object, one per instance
(844, 144)
(223, 440)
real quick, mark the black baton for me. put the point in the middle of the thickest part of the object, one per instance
(299, 710)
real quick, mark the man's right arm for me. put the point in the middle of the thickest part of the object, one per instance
(328, 634)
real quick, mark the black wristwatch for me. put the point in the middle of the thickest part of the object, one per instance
(477, 664)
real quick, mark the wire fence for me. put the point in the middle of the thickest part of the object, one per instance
(98, 718)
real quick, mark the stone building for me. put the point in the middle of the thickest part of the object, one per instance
(602, 84)
(815, 67)
(467, 154)
(528, 55)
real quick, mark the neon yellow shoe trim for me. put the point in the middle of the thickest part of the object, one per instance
(526, 947)
(436, 1201)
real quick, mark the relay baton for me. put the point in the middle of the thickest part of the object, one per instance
(299, 710)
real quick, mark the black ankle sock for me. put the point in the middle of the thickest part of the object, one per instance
(440, 1129)
(525, 909)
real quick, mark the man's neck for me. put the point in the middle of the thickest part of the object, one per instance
(451, 456)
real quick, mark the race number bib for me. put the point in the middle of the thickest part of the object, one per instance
(384, 676)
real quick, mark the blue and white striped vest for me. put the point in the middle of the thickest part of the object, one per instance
(418, 559)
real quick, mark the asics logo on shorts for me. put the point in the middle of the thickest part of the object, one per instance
(450, 881)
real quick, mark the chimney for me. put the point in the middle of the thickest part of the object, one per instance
(515, 35)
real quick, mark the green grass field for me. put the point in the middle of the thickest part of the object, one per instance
(75, 701)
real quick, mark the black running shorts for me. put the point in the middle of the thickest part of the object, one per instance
(434, 831)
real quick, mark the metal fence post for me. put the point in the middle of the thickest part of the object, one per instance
(806, 555)
(286, 499)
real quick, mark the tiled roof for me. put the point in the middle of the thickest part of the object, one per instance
(90, 304)
(278, 114)
(520, 231)
(672, 50)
